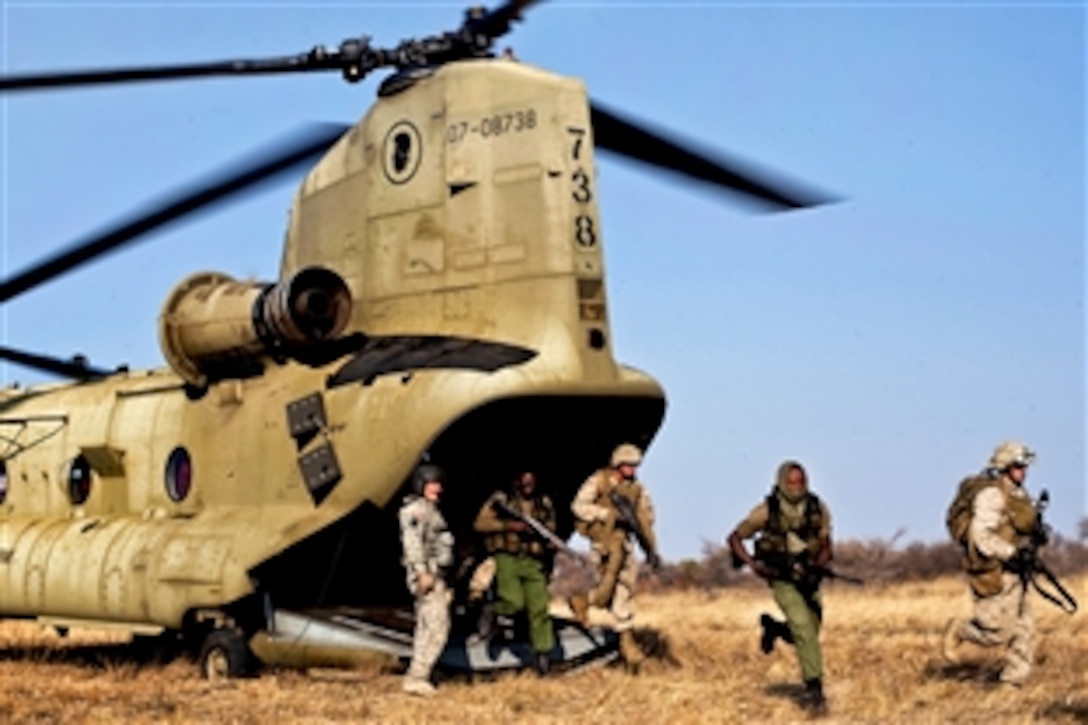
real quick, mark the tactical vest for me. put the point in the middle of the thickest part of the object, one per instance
(631, 490)
(511, 542)
(1016, 523)
(772, 540)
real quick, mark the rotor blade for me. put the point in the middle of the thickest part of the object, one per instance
(497, 22)
(290, 64)
(76, 367)
(631, 140)
(210, 191)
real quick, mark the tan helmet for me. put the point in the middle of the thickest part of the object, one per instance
(626, 453)
(1010, 453)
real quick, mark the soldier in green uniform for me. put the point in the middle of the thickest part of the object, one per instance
(794, 528)
(522, 560)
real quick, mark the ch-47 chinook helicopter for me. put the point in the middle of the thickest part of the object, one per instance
(441, 297)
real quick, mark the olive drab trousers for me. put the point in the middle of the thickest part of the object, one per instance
(804, 613)
(521, 582)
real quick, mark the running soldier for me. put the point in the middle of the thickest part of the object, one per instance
(794, 544)
(428, 556)
(1001, 517)
(599, 520)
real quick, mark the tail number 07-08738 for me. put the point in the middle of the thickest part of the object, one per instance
(498, 124)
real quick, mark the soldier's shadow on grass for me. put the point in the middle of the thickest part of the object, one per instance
(977, 672)
(791, 691)
(1071, 708)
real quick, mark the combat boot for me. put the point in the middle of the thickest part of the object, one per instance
(814, 701)
(579, 606)
(773, 629)
(543, 664)
(631, 651)
(416, 686)
(770, 633)
(485, 625)
(951, 640)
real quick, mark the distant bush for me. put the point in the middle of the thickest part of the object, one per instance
(874, 560)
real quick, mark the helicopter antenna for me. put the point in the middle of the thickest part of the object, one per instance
(355, 58)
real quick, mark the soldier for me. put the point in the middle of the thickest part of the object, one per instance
(1001, 518)
(597, 518)
(428, 556)
(522, 560)
(794, 544)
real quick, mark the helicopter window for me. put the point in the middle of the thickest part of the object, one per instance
(179, 474)
(79, 480)
(3, 481)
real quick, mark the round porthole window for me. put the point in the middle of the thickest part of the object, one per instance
(179, 475)
(79, 480)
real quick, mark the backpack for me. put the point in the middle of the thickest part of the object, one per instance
(958, 517)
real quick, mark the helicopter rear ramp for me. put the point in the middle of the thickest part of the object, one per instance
(346, 639)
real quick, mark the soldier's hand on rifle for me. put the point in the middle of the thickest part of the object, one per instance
(516, 526)
(760, 569)
(1023, 560)
(426, 582)
(654, 560)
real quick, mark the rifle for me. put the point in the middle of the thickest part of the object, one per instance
(629, 519)
(538, 528)
(1028, 564)
(800, 570)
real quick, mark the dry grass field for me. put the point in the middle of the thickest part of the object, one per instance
(881, 656)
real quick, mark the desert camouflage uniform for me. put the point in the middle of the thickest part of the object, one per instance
(428, 548)
(613, 551)
(1001, 513)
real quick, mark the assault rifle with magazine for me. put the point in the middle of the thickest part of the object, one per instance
(1029, 566)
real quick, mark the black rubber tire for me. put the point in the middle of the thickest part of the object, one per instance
(225, 655)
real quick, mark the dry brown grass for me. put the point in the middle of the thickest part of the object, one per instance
(881, 656)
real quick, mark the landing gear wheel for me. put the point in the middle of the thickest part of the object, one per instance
(224, 656)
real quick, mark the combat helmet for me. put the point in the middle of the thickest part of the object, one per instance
(626, 453)
(1009, 453)
(425, 473)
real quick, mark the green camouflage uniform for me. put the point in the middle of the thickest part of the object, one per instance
(793, 530)
(522, 563)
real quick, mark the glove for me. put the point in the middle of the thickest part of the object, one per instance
(761, 570)
(654, 561)
(425, 582)
(1023, 561)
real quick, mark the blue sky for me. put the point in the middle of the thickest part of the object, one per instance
(888, 341)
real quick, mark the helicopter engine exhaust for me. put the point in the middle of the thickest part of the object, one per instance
(213, 327)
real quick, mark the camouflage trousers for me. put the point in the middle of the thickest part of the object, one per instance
(614, 559)
(804, 613)
(998, 621)
(431, 630)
